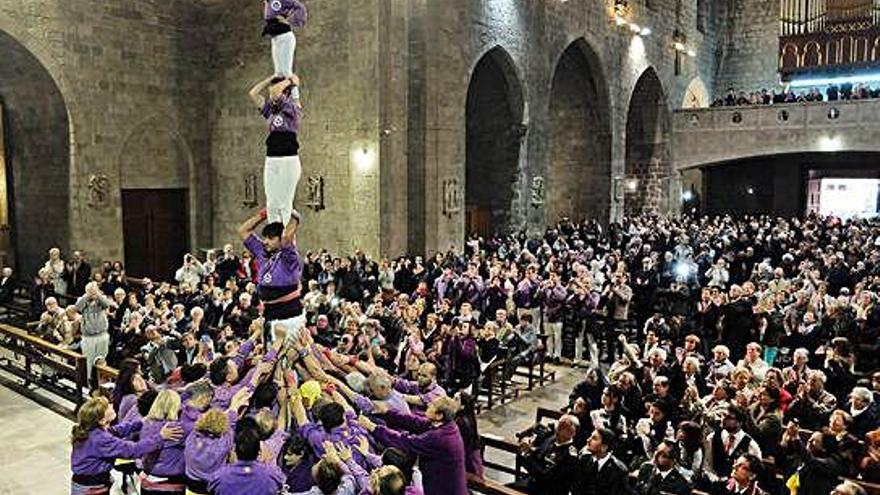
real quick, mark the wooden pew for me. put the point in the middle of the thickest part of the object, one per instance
(489, 487)
(44, 365)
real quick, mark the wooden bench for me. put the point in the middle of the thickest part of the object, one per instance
(43, 365)
(489, 487)
(495, 386)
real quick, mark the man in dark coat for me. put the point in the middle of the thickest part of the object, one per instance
(661, 476)
(599, 471)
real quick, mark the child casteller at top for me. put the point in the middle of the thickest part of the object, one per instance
(281, 17)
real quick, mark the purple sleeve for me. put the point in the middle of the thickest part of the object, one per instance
(266, 112)
(406, 386)
(409, 422)
(255, 246)
(416, 444)
(314, 434)
(361, 478)
(298, 14)
(292, 259)
(243, 353)
(110, 447)
(467, 347)
(275, 443)
(363, 404)
(127, 428)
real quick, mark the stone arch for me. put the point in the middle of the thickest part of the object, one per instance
(494, 135)
(38, 140)
(155, 156)
(696, 95)
(648, 169)
(579, 167)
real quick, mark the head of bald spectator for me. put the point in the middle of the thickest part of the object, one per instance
(566, 429)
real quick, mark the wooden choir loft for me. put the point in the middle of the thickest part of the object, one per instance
(828, 36)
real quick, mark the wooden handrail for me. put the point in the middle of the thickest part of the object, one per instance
(38, 342)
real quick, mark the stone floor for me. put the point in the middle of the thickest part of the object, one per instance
(34, 452)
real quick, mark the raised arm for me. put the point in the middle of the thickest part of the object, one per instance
(248, 226)
(255, 93)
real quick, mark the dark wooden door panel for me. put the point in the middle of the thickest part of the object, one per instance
(155, 227)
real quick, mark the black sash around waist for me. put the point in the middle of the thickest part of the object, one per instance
(102, 479)
(274, 27)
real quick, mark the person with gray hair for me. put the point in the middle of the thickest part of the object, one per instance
(848, 488)
(863, 409)
(434, 438)
(93, 306)
(812, 404)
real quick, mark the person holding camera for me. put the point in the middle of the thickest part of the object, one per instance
(191, 272)
(93, 307)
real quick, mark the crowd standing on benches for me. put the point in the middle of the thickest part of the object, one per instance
(713, 347)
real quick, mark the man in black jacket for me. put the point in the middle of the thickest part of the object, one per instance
(7, 286)
(598, 470)
(551, 463)
(662, 475)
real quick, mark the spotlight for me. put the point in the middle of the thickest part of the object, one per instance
(645, 31)
(691, 53)
(750, 190)
(687, 196)
(632, 184)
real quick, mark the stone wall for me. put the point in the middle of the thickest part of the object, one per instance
(748, 46)
(121, 69)
(155, 96)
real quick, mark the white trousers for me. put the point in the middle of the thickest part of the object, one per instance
(92, 347)
(554, 338)
(283, 50)
(292, 327)
(280, 177)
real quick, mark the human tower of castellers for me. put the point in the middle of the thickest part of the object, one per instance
(271, 416)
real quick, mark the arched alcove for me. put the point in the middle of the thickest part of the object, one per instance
(494, 118)
(648, 172)
(36, 152)
(579, 159)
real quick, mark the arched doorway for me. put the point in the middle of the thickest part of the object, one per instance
(155, 200)
(495, 131)
(35, 159)
(648, 174)
(579, 159)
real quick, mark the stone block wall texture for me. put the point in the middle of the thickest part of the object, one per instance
(154, 93)
(748, 45)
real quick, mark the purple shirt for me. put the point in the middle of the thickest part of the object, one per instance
(395, 401)
(440, 450)
(223, 393)
(168, 461)
(282, 269)
(97, 453)
(410, 387)
(292, 10)
(205, 454)
(283, 115)
(348, 433)
(251, 477)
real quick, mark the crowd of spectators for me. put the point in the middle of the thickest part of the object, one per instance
(833, 92)
(711, 345)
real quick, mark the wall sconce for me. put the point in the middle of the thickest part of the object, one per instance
(363, 157)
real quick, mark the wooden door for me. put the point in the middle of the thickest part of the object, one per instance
(478, 220)
(156, 231)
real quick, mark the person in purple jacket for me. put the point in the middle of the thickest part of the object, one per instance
(279, 282)
(96, 445)
(281, 17)
(164, 468)
(282, 169)
(435, 438)
(247, 475)
(210, 443)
